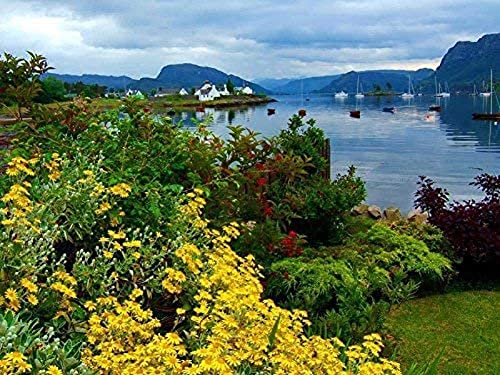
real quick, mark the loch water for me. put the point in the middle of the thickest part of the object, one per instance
(389, 150)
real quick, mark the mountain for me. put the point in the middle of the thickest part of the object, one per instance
(91, 79)
(171, 77)
(305, 85)
(191, 75)
(273, 83)
(468, 63)
(398, 80)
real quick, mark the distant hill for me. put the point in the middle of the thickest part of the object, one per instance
(273, 83)
(468, 63)
(114, 82)
(191, 75)
(398, 80)
(171, 77)
(306, 85)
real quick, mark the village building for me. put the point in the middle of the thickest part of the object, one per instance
(183, 92)
(207, 92)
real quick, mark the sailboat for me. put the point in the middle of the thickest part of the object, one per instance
(484, 93)
(435, 107)
(446, 92)
(408, 95)
(341, 94)
(474, 93)
(359, 94)
(491, 115)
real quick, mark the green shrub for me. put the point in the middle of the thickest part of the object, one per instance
(349, 290)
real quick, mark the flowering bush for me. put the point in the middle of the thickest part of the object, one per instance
(471, 227)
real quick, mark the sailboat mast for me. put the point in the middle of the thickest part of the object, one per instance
(491, 88)
(357, 86)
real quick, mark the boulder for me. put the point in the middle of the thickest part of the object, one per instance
(392, 214)
(417, 216)
(375, 212)
(361, 210)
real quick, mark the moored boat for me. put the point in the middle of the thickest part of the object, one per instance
(271, 111)
(435, 108)
(389, 109)
(355, 114)
(490, 115)
(341, 94)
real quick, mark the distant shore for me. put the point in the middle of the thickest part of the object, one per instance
(176, 102)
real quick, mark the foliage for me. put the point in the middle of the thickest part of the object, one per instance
(472, 227)
(20, 81)
(24, 347)
(117, 233)
(348, 291)
(53, 90)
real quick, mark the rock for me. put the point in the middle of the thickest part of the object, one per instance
(417, 216)
(392, 214)
(375, 212)
(360, 210)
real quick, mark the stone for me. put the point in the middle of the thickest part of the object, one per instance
(392, 214)
(375, 212)
(417, 216)
(361, 210)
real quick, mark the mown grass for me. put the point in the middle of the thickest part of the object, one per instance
(464, 325)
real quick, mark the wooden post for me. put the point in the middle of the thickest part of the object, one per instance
(325, 153)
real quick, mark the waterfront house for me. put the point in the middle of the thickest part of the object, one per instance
(207, 92)
(224, 91)
(183, 92)
(247, 90)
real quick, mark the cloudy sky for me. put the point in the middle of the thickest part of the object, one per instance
(250, 38)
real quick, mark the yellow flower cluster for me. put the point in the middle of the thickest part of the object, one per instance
(173, 280)
(14, 363)
(123, 342)
(19, 206)
(53, 167)
(11, 300)
(20, 165)
(232, 327)
(123, 190)
(60, 286)
(113, 244)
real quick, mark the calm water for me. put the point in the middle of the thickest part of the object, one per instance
(390, 151)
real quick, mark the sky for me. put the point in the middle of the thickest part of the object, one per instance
(250, 38)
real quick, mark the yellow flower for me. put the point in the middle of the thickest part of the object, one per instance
(134, 243)
(90, 306)
(32, 299)
(29, 285)
(136, 293)
(108, 254)
(121, 190)
(53, 370)
(136, 254)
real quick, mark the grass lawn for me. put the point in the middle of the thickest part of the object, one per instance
(465, 324)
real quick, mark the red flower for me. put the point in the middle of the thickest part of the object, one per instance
(268, 211)
(260, 166)
(261, 181)
(147, 110)
(292, 234)
(286, 275)
(279, 157)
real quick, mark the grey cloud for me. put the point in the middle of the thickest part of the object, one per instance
(251, 38)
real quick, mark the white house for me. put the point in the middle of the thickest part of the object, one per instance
(183, 92)
(247, 90)
(224, 92)
(206, 85)
(207, 92)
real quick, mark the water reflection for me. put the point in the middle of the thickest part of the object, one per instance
(390, 150)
